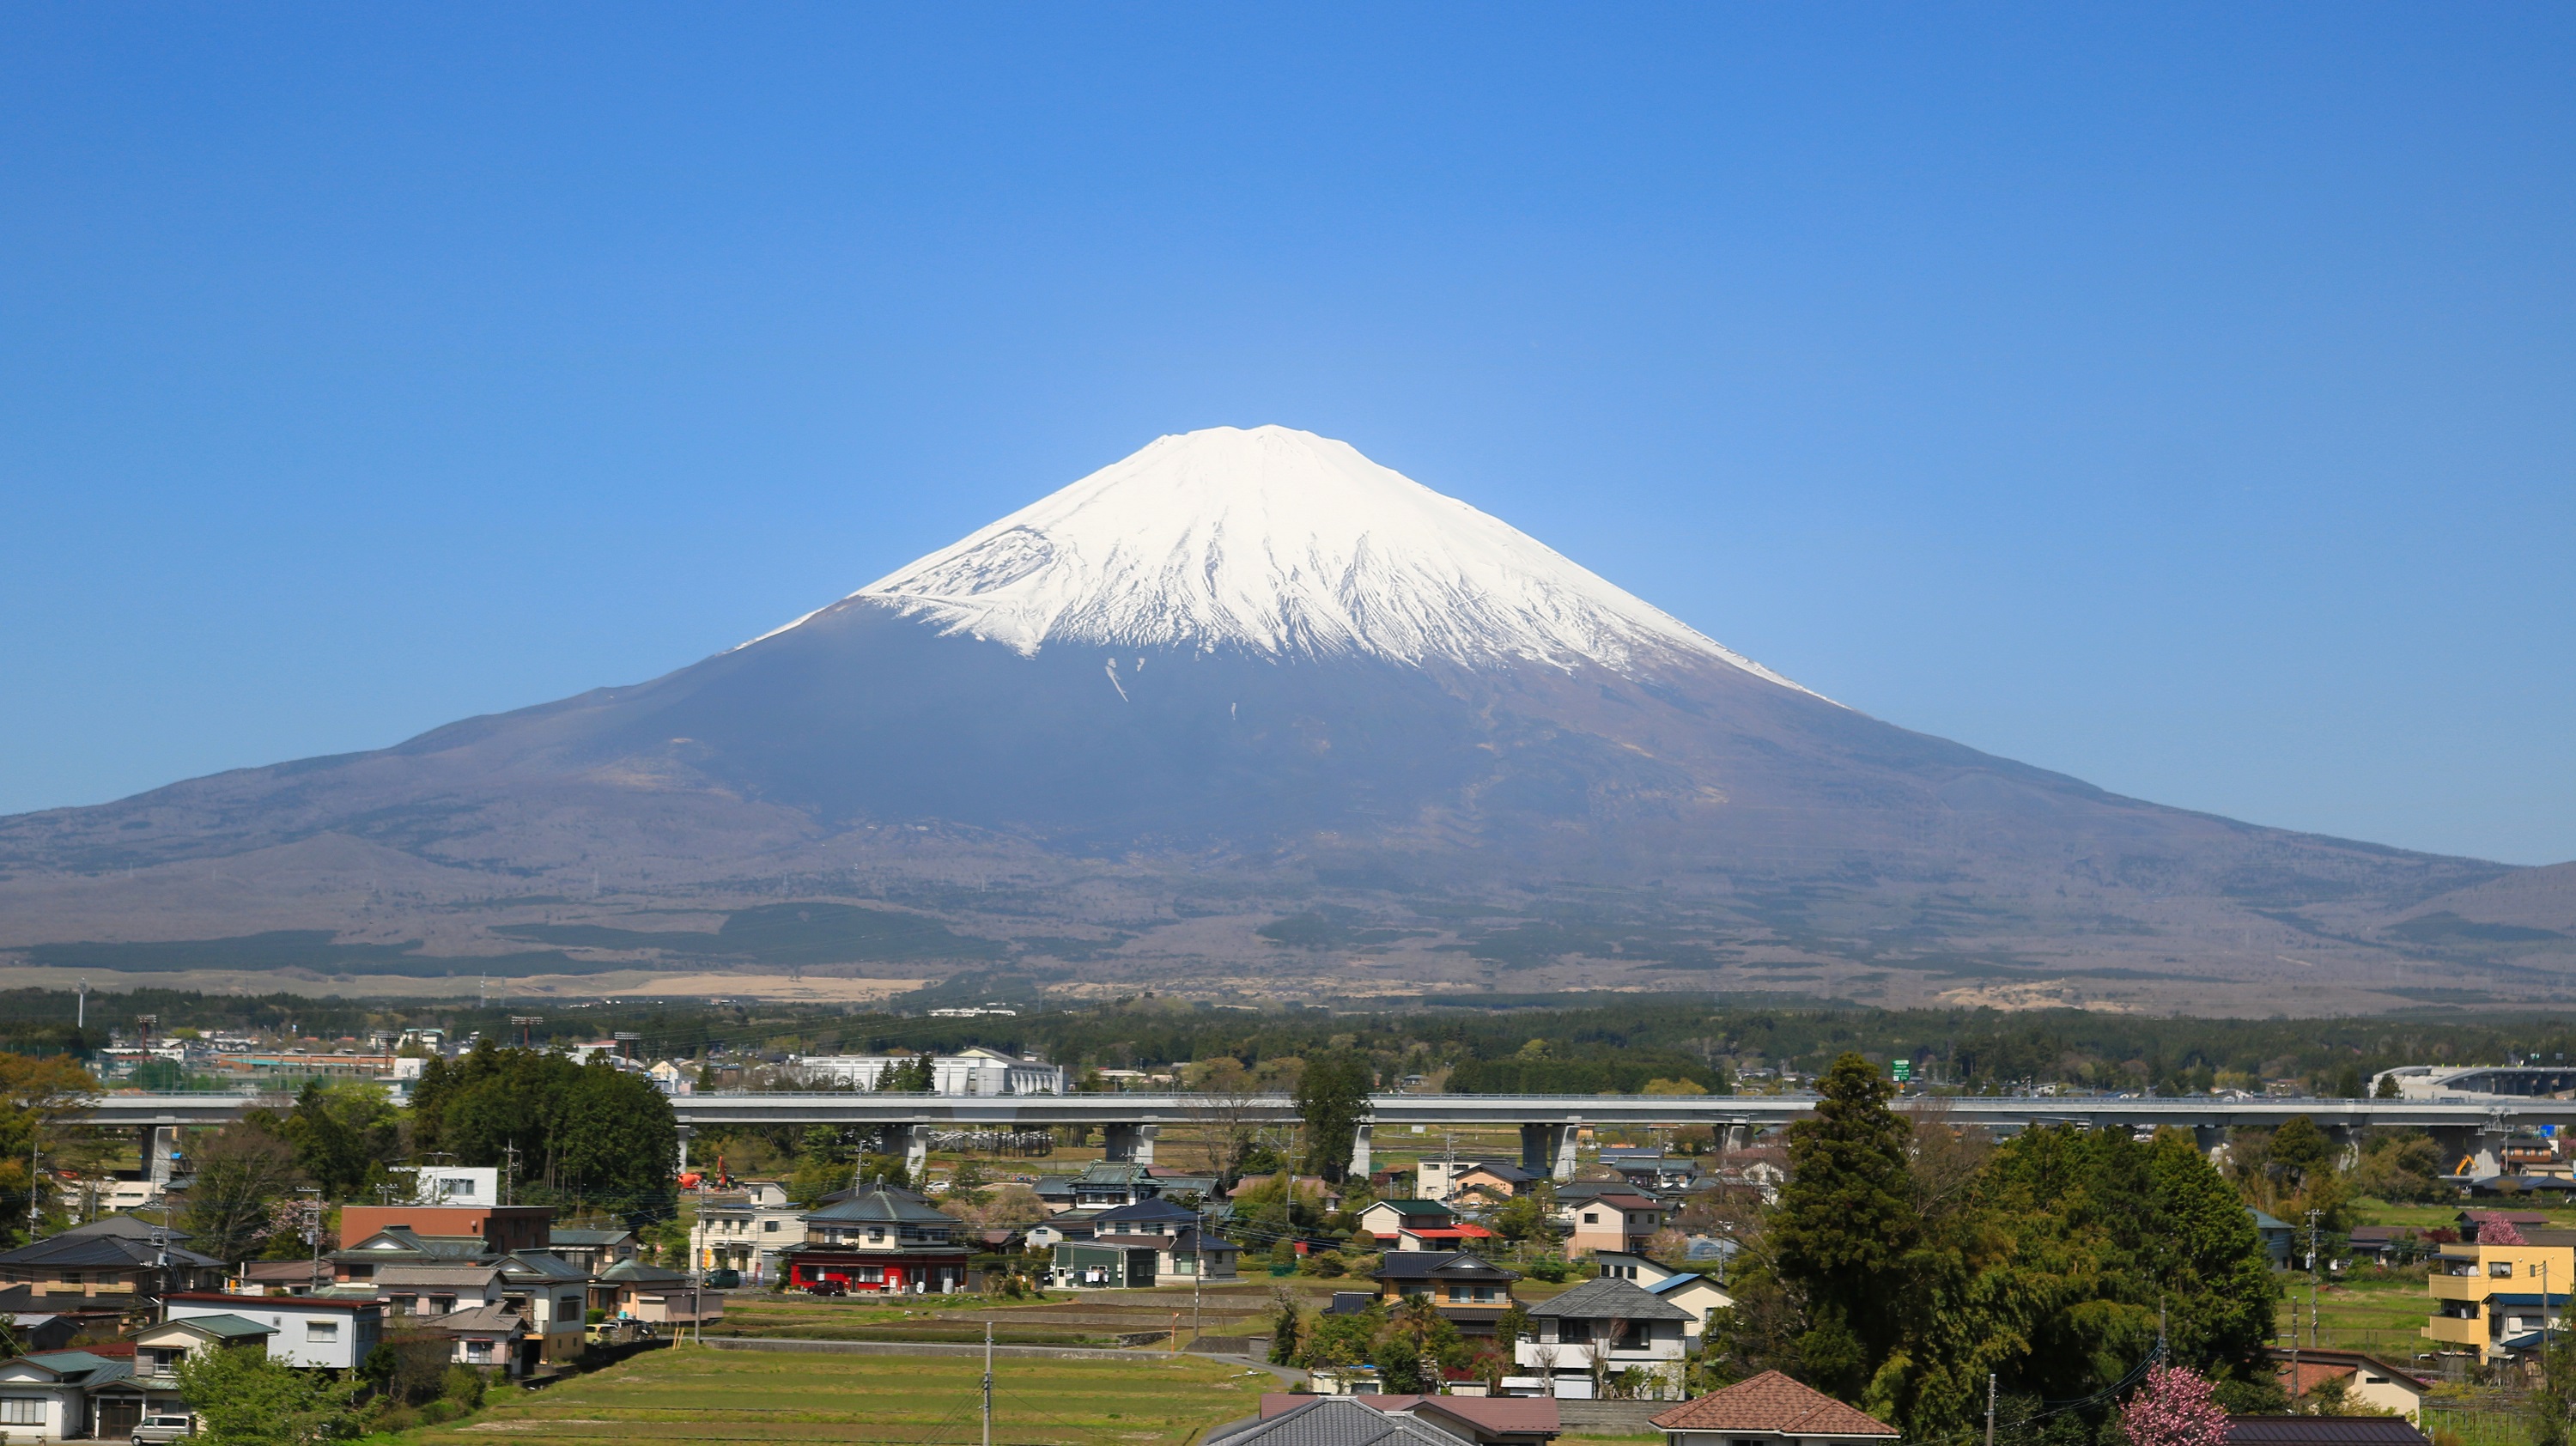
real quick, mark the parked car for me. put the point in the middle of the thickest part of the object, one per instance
(724, 1280)
(827, 1287)
(157, 1430)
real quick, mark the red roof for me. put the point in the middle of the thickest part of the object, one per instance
(1445, 1232)
(1773, 1404)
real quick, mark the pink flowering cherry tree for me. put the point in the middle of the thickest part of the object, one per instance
(2496, 1230)
(2177, 1407)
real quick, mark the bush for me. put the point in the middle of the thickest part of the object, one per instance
(465, 1387)
(1550, 1269)
(1322, 1263)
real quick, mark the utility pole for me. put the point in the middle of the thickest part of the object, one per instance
(510, 1172)
(312, 1227)
(1198, 1274)
(1990, 1408)
(2312, 1280)
(988, 1382)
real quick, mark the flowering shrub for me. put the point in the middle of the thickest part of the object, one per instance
(2496, 1230)
(2176, 1408)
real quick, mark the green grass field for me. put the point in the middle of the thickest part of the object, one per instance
(685, 1394)
(2366, 1312)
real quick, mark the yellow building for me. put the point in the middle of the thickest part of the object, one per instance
(2495, 1299)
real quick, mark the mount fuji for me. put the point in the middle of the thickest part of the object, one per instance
(1245, 715)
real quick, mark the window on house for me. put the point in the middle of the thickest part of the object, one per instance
(321, 1330)
(872, 1274)
(478, 1352)
(769, 1225)
(2501, 1267)
(22, 1411)
(1591, 1217)
(1574, 1332)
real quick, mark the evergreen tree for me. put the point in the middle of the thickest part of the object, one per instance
(1332, 1098)
(1844, 1227)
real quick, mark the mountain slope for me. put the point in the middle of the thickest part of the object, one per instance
(1248, 715)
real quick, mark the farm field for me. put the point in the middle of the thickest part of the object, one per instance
(2381, 1314)
(685, 1394)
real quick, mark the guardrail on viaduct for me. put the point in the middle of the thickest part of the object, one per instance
(1548, 1124)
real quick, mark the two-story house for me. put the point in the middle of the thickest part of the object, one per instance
(326, 1332)
(1469, 1291)
(1599, 1330)
(746, 1230)
(119, 1258)
(1130, 1246)
(879, 1241)
(594, 1248)
(1383, 1218)
(2494, 1300)
(1617, 1220)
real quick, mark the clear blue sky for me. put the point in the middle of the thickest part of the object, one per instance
(2182, 397)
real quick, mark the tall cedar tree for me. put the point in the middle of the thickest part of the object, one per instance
(1332, 1098)
(1844, 1227)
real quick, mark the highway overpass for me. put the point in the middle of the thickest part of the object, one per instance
(1547, 1123)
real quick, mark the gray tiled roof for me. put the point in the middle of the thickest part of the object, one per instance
(1339, 1421)
(1603, 1298)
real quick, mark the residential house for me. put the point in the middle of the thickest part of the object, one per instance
(1485, 1421)
(1446, 1179)
(1620, 1221)
(1653, 1171)
(1109, 1261)
(1767, 1409)
(552, 1295)
(501, 1228)
(278, 1277)
(2276, 1235)
(488, 1336)
(1468, 1291)
(2493, 1300)
(46, 1397)
(151, 1388)
(880, 1241)
(357, 1264)
(2322, 1431)
(312, 1330)
(1456, 1235)
(658, 1296)
(593, 1248)
(1105, 1184)
(1384, 1218)
(2365, 1380)
(1688, 1289)
(1340, 1420)
(424, 1292)
(119, 1258)
(1054, 1231)
(1602, 1328)
(747, 1230)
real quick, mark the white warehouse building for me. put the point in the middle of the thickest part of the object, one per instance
(977, 1071)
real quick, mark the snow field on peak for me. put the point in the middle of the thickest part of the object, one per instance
(1281, 543)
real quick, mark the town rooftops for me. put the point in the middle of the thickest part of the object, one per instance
(126, 1226)
(295, 1303)
(76, 1368)
(878, 1205)
(112, 1252)
(500, 1319)
(1490, 1418)
(1398, 1265)
(460, 1273)
(1148, 1211)
(1337, 1421)
(1602, 1298)
(223, 1326)
(587, 1235)
(2322, 1431)
(647, 1277)
(1420, 1210)
(1771, 1404)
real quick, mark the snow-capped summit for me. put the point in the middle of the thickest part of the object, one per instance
(1280, 543)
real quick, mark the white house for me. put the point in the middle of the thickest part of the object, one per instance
(454, 1184)
(746, 1229)
(1596, 1330)
(46, 1397)
(312, 1330)
(976, 1071)
(1693, 1292)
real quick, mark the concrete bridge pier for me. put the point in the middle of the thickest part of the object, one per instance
(160, 1151)
(2212, 1140)
(1129, 1144)
(1731, 1138)
(1548, 1150)
(1360, 1152)
(685, 1132)
(910, 1141)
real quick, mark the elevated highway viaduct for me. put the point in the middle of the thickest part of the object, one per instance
(2468, 1126)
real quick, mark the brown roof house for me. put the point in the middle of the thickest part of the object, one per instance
(1770, 1408)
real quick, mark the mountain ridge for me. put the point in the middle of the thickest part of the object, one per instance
(1548, 783)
